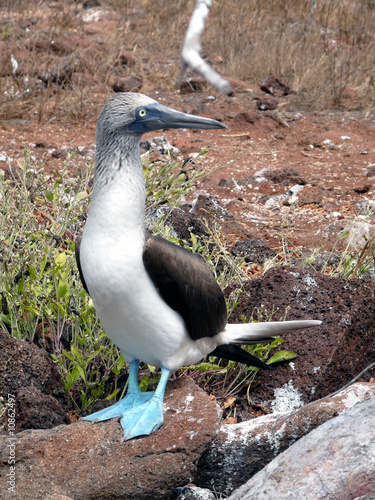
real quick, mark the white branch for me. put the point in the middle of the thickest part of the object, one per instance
(192, 47)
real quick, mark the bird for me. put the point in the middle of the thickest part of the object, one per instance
(158, 302)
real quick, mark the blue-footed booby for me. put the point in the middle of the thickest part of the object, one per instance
(157, 302)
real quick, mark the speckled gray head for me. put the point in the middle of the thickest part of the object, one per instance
(136, 113)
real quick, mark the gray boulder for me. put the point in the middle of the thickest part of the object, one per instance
(336, 460)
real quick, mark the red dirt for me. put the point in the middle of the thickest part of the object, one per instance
(334, 173)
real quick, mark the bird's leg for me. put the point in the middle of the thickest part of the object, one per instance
(144, 419)
(134, 397)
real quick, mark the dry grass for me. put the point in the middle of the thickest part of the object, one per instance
(323, 50)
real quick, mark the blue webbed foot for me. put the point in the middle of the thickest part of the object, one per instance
(141, 413)
(142, 420)
(126, 404)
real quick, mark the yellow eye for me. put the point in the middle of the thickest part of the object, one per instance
(142, 112)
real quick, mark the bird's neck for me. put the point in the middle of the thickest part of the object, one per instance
(118, 197)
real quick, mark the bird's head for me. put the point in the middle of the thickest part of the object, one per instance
(137, 114)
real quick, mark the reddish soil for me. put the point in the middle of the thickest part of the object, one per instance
(335, 174)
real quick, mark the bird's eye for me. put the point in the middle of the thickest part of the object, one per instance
(142, 112)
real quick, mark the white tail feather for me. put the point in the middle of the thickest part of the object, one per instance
(253, 333)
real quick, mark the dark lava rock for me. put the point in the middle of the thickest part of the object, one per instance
(311, 195)
(29, 374)
(184, 223)
(253, 250)
(266, 104)
(362, 188)
(88, 4)
(284, 177)
(330, 355)
(190, 217)
(59, 153)
(36, 410)
(272, 85)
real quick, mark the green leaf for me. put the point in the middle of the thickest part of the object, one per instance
(49, 195)
(80, 196)
(68, 355)
(77, 353)
(120, 362)
(113, 395)
(60, 259)
(62, 290)
(81, 372)
(194, 241)
(281, 356)
(143, 384)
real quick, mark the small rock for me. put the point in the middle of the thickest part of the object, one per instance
(88, 4)
(284, 177)
(311, 195)
(126, 59)
(161, 145)
(62, 71)
(357, 234)
(272, 85)
(276, 201)
(366, 207)
(60, 154)
(190, 492)
(130, 84)
(266, 104)
(253, 250)
(194, 83)
(371, 171)
(83, 79)
(362, 188)
(247, 117)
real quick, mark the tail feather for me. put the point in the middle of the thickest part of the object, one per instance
(235, 353)
(256, 333)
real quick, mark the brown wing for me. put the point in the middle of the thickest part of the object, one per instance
(187, 285)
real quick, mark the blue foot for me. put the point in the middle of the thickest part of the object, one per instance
(133, 398)
(143, 420)
(126, 404)
(148, 417)
(141, 413)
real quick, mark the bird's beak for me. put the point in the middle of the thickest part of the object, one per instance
(158, 117)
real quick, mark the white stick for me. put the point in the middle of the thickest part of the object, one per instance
(192, 47)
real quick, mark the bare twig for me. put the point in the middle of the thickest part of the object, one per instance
(192, 46)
